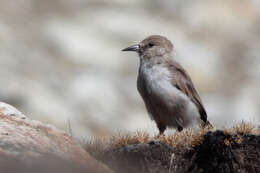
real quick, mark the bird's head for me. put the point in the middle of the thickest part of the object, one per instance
(154, 46)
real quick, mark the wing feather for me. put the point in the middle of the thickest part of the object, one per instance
(183, 82)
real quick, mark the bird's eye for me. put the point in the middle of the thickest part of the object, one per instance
(150, 45)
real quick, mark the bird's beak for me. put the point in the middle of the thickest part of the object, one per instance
(135, 48)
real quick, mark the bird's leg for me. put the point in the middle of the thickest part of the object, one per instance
(180, 128)
(161, 128)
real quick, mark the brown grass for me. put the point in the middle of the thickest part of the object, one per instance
(186, 139)
(243, 128)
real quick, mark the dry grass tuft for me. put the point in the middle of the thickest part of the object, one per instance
(128, 139)
(187, 139)
(243, 128)
(98, 146)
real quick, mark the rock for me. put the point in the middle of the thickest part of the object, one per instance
(9, 110)
(30, 146)
(218, 152)
(222, 152)
(144, 157)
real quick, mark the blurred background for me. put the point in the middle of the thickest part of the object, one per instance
(61, 60)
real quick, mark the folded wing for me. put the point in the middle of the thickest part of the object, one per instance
(183, 82)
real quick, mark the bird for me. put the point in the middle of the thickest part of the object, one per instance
(166, 88)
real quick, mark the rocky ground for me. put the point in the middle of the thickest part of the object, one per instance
(218, 151)
(32, 146)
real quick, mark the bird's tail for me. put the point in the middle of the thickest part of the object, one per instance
(207, 125)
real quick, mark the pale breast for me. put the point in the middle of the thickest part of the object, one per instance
(157, 79)
(155, 82)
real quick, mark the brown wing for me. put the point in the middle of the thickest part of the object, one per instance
(183, 83)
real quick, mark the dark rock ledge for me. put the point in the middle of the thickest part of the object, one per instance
(218, 152)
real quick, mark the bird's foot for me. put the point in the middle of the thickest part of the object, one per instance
(160, 136)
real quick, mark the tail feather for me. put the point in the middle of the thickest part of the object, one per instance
(206, 124)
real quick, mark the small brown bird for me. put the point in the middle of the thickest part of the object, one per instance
(166, 88)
